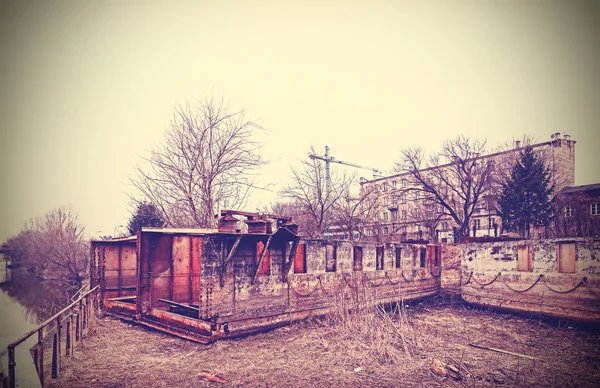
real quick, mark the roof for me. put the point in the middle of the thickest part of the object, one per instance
(581, 189)
(116, 239)
(181, 230)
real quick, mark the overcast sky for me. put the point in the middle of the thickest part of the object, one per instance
(86, 87)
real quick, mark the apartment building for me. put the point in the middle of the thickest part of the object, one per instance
(400, 212)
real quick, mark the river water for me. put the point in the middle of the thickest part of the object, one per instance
(25, 302)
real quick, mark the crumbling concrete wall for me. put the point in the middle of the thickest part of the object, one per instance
(451, 267)
(557, 277)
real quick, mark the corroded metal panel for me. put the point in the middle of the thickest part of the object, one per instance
(300, 259)
(161, 267)
(523, 258)
(181, 269)
(195, 267)
(265, 267)
(566, 257)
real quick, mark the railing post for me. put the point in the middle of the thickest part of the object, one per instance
(54, 358)
(81, 312)
(11, 366)
(68, 343)
(77, 327)
(41, 355)
(59, 345)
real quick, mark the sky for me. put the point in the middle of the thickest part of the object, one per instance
(87, 88)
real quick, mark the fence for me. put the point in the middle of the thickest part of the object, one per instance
(76, 316)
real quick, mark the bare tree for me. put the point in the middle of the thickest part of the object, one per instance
(308, 193)
(208, 159)
(455, 179)
(55, 244)
(352, 213)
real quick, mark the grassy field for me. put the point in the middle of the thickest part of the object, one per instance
(368, 347)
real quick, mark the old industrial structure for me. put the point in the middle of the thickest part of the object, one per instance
(211, 284)
(402, 214)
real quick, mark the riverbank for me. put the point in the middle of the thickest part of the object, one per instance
(330, 352)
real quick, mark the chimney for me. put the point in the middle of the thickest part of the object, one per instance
(518, 144)
(555, 136)
(567, 136)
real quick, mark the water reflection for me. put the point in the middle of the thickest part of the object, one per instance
(40, 299)
(25, 302)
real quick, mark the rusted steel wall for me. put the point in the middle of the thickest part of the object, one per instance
(114, 267)
(558, 277)
(170, 268)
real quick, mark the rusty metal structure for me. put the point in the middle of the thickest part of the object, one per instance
(250, 275)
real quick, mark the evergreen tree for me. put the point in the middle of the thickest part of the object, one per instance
(525, 198)
(146, 214)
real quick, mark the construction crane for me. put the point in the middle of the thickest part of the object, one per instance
(330, 159)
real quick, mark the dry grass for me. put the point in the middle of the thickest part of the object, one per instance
(356, 346)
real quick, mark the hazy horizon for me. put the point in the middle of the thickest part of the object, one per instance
(89, 87)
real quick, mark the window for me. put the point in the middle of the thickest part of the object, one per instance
(568, 211)
(477, 224)
(490, 223)
(385, 231)
(384, 186)
(385, 201)
(417, 213)
(394, 215)
(565, 253)
(394, 185)
(436, 256)
(379, 258)
(398, 257)
(403, 214)
(385, 216)
(422, 257)
(367, 232)
(444, 225)
(417, 195)
(395, 201)
(594, 209)
(404, 183)
(403, 198)
(331, 258)
(357, 259)
(300, 259)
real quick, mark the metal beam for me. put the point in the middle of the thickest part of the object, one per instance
(262, 255)
(228, 259)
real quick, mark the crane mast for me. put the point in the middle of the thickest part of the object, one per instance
(330, 159)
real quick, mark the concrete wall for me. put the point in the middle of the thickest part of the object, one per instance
(493, 276)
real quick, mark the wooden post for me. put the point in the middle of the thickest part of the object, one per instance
(68, 343)
(54, 358)
(77, 335)
(59, 345)
(41, 355)
(11, 367)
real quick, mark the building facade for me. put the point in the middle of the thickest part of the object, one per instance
(401, 212)
(578, 212)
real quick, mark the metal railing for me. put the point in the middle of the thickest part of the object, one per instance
(76, 315)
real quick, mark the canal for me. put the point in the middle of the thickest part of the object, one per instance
(25, 302)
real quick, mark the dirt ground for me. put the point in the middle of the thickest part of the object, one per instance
(375, 349)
